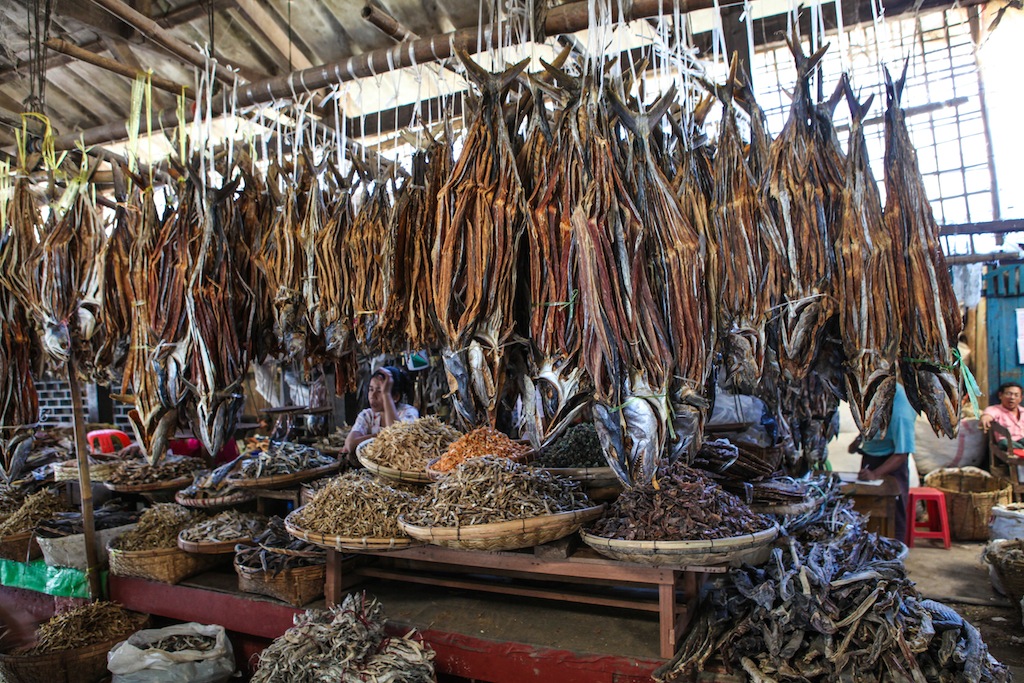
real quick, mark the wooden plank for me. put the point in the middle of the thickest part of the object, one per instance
(334, 588)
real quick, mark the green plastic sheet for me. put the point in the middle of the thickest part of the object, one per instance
(40, 577)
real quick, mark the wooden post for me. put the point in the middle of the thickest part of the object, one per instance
(85, 482)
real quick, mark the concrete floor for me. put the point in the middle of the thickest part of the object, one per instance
(959, 578)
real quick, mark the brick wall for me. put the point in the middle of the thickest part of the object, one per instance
(55, 402)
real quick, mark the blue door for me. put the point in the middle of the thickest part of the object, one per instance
(1004, 292)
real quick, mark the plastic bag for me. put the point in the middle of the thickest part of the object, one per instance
(132, 662)
(933, 452)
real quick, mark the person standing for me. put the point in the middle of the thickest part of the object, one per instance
(1007, 413)
(889, 455)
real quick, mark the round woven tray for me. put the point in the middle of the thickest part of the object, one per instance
(336, 542)
(80, 665)
(297, 586)
(236, 498)
(788, 510)
(68, 470)
(167, 565)
(280, 481)
(518, 533)
(20, 547)
(748, 548)
(1009, 571)
(211, 548)
(405, 476)
(168, 485)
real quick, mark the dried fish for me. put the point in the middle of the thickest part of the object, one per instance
(487, 489)
(36, 508)
(267, 458)
(230, 525)
(195, 642)
(158, 527)
(275, 550)
(687, 505)
(95, 622)
(479, 442)
(411, 445)
(345, 644)
(357, 505)
(578, 447)
(108, 516)
(132, 473)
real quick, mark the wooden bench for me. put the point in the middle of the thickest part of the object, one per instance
(1003, 461)
(580, 576)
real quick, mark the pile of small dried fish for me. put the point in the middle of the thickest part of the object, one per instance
(687, 505)
(578, 447)
(36, 508)
(108, 516)
(488, 489)
(479, 442)
(271, 458)
(334, 440)
(411, 445)
(11, 499)
(266, 552)
(134, 473)
(357, 505)
(833, 609)
(158, 527)
(345, 644)
(180, 642)
(230, 525)
(95, 622)
(211, 484)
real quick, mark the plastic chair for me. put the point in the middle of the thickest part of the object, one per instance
(938, 521)
(102, 440)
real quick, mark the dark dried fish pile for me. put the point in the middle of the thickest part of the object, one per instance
(930, 312)
(211, 483)
(275, 550)
(578, 447)
(411, 445)
(831, 610)
(108, 516)
(271, 458)
(687, 505)
(177, 643)
(733, 462)
(481, 216)
(133, 473)
(96, 622)
(36, 508)
(230, 525)
(487, 489)
(10, 499)
(357, 505)
(345, 644)
(158, 527)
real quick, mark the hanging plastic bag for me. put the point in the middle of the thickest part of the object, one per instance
(133, 661)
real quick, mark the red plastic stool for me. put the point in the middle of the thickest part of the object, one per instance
(938, 521)
(102, 440)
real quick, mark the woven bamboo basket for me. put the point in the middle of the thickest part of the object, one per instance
(280, 481)
(236, 498)
(749, 548)
(80, 665)
(166, 565)
(153, 486)
(98, 471)
(20, 547)
(211, 548)
(405, 476)
(336, 542)
(970, 494)
(297, 586)
(518, 533)
(1009, 569)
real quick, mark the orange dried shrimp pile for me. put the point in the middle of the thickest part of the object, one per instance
(480, 441)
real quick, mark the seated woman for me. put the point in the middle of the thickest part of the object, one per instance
(1007, 413)
(387, 385)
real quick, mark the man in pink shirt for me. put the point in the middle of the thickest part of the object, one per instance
(1007, 413)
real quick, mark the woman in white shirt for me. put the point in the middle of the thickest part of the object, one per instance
(387, 385)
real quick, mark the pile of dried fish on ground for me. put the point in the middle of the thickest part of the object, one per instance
(36, 508)
(831, 609)
(357, 505)
(346, 643)
(109, 516)
(230, 525)
(686, 505)
(488, 489)
(134, 473)
(96, 622)
(411, 445)
(265, 553)
(273, 458)
(578, 447)
(158, 527)
(479, 442)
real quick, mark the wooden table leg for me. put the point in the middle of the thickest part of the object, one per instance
(333, 589)
(667, 617)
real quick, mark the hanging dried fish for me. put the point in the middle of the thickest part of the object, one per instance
(930, 312)
(280, 260)
(335, 303)
(869, 318)
(364, 254)
(481, 215)
(254, 207)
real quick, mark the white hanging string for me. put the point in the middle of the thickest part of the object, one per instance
(844, 41)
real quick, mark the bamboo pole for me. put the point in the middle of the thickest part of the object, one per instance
(85, 483)
(80, 54)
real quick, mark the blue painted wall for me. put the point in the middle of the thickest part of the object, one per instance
(1004, 292)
